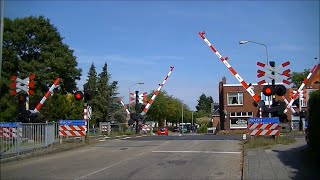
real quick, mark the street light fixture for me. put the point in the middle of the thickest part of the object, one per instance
(244, 42)
(141, 83)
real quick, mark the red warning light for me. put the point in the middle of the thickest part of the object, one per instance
(268, 90)
(78, 95)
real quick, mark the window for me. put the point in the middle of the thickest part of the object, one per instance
(267, 99)
(241, 114)
(235, 98)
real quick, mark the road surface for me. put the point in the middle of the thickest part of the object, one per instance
(153, 157)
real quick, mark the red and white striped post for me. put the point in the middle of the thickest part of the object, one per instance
(125, 108)
(85, 118)
(300, 88)
(45, 97)
(147, 107)
(234, 73)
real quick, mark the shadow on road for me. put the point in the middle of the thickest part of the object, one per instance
(302, 161)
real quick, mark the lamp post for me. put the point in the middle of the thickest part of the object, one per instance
(130, 91)
(244, 42)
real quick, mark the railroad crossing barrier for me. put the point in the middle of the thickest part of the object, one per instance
(18, 138)
(72, 128)
(264, 126)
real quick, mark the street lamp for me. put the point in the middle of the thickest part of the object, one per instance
(244, 42)
(130, 91)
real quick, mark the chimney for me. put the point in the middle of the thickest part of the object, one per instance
(224, 80)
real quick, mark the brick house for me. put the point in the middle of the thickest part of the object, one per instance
(237, 106)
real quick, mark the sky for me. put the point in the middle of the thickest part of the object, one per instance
(140, 40)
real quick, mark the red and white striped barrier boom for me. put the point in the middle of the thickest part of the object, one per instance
(124, 106)
(235, 74)
(147, 107)
(300, 88)
(55, 83)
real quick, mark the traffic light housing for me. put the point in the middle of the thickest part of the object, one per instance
(78, 95)
(87, 96)
(22, 113)
(269, 90)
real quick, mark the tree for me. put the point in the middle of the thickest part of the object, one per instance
(298, 77)
(32, 45)
(91, 85)
(204, 105)
(105, 106)
(168, 108)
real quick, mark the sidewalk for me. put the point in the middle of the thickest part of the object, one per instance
(291, 161)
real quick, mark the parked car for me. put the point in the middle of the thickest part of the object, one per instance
(163, 131)
(175, 129)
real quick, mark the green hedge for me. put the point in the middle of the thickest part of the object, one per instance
(203, 129)
(314, 118)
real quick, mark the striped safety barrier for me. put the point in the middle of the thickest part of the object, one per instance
(260, 129)
(156, 92)
(72, 130)
(10, 132)
(72, 127)
(231, 69)
(300, 88)
(48, 93)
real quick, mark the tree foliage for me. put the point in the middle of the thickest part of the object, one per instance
(298, 77)
(313, 118)
(168, 108)
(104, 102)
(204, 105)
(32, 45)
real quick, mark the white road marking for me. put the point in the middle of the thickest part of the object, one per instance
(120, 162)
(94, 172)
(205, 152)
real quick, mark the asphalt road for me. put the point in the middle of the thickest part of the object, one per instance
(153, 157)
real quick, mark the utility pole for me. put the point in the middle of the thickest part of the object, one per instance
(182, 118)
(192, 126)
(1, 36)
(137, 109)
(273, 82)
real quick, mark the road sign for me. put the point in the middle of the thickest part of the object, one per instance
(89, 112)
(276, 76)
(264, 120)
(71, 122)
(10, 124)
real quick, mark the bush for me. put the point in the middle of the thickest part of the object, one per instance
(313, 118)
(267, 142)
(202, 129)
(155, 129)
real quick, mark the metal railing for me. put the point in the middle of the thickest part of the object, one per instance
(19, 138)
